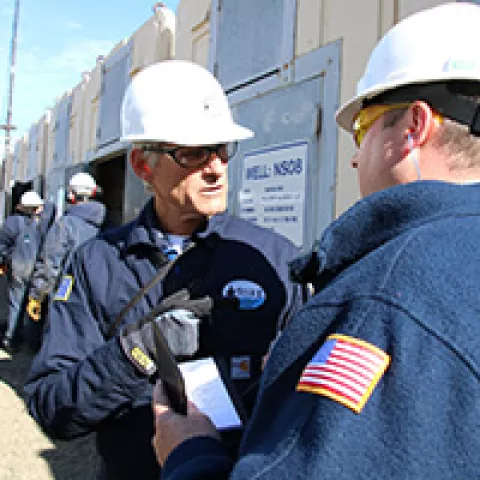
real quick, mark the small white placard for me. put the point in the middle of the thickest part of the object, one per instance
(205, 388)
(273, 187)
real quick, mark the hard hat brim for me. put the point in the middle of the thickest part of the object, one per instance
(225, 134)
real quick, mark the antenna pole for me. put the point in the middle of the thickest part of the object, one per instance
(8, 127)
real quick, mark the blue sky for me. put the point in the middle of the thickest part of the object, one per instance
(57, 41)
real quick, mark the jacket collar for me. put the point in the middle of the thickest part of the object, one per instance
(147, 229)
(377, 219)
(366, 226)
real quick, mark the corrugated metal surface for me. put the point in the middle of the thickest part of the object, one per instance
(20, 159)
(253, 39)
(75, 136)
(154, 40)
(115, 77)
(55, 188)
(193, 31)
(256, 47)
(33, 167)
(284, 178)
(92, 98)
(62, 131)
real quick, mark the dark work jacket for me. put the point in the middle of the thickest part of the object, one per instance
(80, 381)
(400, 271)
(9, 233)
(80, 223)
(27, 246)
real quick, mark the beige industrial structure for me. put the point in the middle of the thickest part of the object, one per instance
(293, 73)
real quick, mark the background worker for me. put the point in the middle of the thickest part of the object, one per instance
(378, 375)
(177, 118)
(82, 220)
(20, 239)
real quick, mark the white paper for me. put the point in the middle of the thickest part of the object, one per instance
(205, 388)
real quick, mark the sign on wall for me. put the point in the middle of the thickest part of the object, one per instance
(272, 190)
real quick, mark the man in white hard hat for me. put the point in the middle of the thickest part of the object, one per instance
(20, 239)
(83, 219)
(214, 285)
(378, 375)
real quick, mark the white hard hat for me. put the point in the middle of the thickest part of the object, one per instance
(178, 102)
(30, 199)
(434, 45)
(83, 184)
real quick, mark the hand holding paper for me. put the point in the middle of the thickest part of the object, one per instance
(171, 429)
(206, 389)
(209, 406)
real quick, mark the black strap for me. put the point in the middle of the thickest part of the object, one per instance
(450, 98)
(159, 276)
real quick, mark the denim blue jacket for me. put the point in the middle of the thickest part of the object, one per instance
(398, 273)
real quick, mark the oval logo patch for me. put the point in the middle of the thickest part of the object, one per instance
(249, 294)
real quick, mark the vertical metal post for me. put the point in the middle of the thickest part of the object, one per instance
(8, 127)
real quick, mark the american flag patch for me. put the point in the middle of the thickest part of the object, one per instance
(346, 370)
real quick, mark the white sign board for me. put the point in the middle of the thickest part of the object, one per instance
(273, 189)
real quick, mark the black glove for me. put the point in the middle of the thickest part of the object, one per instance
(178, 318)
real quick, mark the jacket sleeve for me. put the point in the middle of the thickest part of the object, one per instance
(8, 235)
(78, 378)
(49, 263)
(200, 458)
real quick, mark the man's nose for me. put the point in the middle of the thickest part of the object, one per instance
(214, 164)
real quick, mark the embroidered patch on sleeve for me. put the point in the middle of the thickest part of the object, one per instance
(346, 370)
(64, 289)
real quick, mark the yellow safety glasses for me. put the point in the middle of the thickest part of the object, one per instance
(366, 117)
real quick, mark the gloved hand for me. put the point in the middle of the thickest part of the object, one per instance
(34, 309)
(178, 318)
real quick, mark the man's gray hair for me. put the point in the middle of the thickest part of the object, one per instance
(152, 160)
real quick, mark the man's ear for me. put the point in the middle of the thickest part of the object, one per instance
(421, 123)
(140, 165)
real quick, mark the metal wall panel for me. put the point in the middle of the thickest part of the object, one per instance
(256, 38)
(90, 116)
(115, 77)
(55, 183)
(135, 195)
(285, 177)
(62, 131)
(274, 177)
(154, 40)
(76, 142)
(20, 159)
(32, 169)
(192, 30)
(3, 211)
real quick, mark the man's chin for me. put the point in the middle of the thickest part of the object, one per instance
(213, 210)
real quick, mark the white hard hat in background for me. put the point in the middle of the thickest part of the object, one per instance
(30, 199)
(178, 102)
(434, 45)
(83, 184)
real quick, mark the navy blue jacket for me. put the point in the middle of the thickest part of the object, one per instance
(9, 233)
(80, 381)
(28, 244)
(400, 272)
(80, 223)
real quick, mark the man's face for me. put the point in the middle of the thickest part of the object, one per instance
(191, 192)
